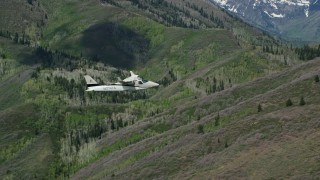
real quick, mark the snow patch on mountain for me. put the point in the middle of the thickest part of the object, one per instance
(289, 2)
(274, 6)
(284, 18)
(306, 12)
(277, 15)
(267, 13)
(233, 9)
(267, 5)
(273, 15)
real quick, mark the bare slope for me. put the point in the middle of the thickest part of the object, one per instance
(278, 142)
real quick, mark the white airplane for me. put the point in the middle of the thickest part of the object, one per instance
(132, 83)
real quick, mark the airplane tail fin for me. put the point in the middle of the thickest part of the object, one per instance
(132, 74)
(90, 82)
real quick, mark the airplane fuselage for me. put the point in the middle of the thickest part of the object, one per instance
(131, 83)
(114, 88)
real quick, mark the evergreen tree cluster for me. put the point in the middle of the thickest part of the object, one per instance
(81, 135)
(56, 59)
(172, 14)
(16, 37)
(302, 102)
(218, 22)
(72, 88)
(211, 84)
(273, 49)
(307, 52)
(78, 137)
(167, 80)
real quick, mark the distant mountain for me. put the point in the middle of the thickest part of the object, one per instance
(297, 20)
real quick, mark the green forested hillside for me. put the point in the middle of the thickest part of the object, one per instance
(221, 111)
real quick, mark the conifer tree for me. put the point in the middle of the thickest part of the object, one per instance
(200, 129)
(259, 108)
(302, 102)
(316, 78)
(289, 103)
(112, 125)
(217, 120)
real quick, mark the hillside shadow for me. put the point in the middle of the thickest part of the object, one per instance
(28, 58)
(116, 45)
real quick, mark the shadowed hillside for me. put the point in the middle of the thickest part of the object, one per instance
(114, 45)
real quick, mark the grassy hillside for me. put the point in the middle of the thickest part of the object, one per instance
(223, 135)
(22, 19)
(202, 121)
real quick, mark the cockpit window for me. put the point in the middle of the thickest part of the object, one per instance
(140, 82)
(144, 81)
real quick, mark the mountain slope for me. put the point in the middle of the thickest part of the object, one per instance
(245, 143)
(204, 115)
(25, 19)
(291, 20)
